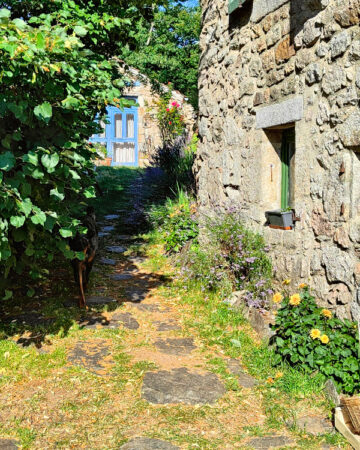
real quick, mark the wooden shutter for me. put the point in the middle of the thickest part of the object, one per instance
(235, 4)
(287, 153)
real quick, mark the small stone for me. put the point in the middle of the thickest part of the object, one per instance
(177, 346)
(284, 51)
(98, 300)
(322, 50)
(108, 261)
(112, 217)
(314, 425)
(167, 326)
(268, 442)
(181, 386)
(135, 294)
(93, 355)
(334, 80)
(148, 444)
(108, 229)
(136, 260)
(339, 43)
(245, 380)
(312, 32)
(331, 392)
(349, 131)
(126, 319)
(116, 249)
(314, 73)
(9, 444)
(121, 276)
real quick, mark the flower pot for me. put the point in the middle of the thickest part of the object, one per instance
(283, 220)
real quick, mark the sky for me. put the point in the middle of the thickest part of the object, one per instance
(192, 3)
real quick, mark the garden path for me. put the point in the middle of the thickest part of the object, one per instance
(130, 373)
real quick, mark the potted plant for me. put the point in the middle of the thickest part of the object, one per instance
(282, 219)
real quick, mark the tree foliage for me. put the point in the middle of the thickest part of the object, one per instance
(166, 48)
(56, 78)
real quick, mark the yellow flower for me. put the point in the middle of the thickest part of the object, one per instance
(315, 333)
(295, 300)
(286, 282)
(277, 298)
(279, 375)
(270, 380)
(326, 313)
(324, 339)
(302, 286)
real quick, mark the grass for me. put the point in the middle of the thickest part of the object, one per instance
(47, 403)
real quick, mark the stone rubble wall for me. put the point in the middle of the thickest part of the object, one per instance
(281, 52)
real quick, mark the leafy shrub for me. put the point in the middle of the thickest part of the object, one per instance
(313, 338)
(52, 89)
(232, 256)
(176, 159)
(176, 221)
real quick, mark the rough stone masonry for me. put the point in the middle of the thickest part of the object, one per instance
(268, 66)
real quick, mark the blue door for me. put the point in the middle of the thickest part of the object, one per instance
(120, 136)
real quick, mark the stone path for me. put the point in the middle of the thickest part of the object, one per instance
(152, 332)
(8, 444)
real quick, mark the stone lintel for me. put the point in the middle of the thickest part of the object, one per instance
(262, 8)
(280, 113)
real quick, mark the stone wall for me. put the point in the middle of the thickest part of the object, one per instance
(271, 64)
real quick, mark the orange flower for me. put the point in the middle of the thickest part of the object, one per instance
(270, 380)
(324, 339)
(315, 333)
(277, 298)
(303, 286)
(279, 375)
(326, 313)
(295, 300)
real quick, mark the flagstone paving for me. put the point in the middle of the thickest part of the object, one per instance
(181, 386)
(8, 444)
(93, 355)
(155, 385)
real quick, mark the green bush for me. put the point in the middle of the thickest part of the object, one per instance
(232, 257)
(52, 88)
(312, 338)
(176, 221)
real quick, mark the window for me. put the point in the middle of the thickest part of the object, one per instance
(287, 167)
(235, 4)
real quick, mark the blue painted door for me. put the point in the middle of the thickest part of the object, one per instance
(120, 136)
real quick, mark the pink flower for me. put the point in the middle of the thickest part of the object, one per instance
(169, 123)
(174, 104)
(167, 109)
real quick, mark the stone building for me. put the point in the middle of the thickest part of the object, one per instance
(279, 123)
(132, 135)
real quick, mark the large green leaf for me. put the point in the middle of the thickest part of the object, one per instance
(43, 112)
(4, 13)
(39, 218)
(58, 195)
(80, 31)
(50, 161)
(31, 157)
(17, 221)
(7, 161)
(66, 232)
